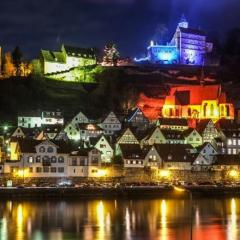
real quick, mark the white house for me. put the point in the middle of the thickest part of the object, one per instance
(102, 144)
(111, 124)
(85, 162)
(39, 159)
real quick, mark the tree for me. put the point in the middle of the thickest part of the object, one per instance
(111, 55)
(17, 60)
(161, 34)
(9, 68)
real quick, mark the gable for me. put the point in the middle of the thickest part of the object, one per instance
(157, 135)
(111, 118)
(80, 118)
(128, 137)
(18, 132)
(103, 141)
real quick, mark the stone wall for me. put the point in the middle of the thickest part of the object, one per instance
(119, 174)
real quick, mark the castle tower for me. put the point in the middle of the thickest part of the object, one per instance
(183, 22)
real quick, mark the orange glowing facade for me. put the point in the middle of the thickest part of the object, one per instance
(197, 102)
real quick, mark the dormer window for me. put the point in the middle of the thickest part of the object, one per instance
(50, 149)
(42, 149)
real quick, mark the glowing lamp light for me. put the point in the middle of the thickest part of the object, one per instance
(5, 128)
(164, 173)
(101, 173)
(22, 173)
(234, 173)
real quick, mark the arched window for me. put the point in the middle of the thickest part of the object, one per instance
(205, 110)
(227, 111)
(42, 149)
(211, 109)
(61, 159)
(222, 110)
(50, 149)
(53, 159)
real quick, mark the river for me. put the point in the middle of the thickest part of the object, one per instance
(164, 219)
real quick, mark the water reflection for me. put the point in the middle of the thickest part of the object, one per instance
(165, 219)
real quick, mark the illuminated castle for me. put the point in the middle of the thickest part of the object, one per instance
(197, 102)
(68, 58)
(188, 46)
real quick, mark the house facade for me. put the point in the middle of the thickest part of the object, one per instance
(69, 57)
(111, 124)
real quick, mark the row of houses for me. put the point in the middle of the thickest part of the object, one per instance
(168, 143)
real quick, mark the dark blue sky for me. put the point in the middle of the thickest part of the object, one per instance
(36, 24)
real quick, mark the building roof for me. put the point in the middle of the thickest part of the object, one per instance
(82, 152)
(28, 145)
(80, 52)
(131, 151)
(202, 124)
(200, 148)
(227, 159)
(52, 128)
(173, 121)
(133, 112)
(226, 124)
(172, 134)
(194, 95)
(175, 152)
(52, 56)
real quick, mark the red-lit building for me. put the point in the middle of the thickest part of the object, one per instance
(190, 102)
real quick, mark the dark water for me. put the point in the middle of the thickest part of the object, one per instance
(164, 219)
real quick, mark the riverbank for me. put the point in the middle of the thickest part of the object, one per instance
(119, 192)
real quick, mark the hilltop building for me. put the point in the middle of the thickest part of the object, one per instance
(68, 58)
(188, 46)
(197, 102)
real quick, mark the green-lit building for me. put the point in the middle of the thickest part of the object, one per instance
(54, 62)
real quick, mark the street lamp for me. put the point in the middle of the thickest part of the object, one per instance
(182, 190)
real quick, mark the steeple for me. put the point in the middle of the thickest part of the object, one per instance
(183, 22)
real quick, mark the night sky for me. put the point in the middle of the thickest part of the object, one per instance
(36, 24)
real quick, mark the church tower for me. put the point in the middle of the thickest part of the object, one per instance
(183, 22)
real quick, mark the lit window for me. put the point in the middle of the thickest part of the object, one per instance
(234, 142)
(60, 159)
(30, 159)
(229, 142)
(234, 151)
(229, 151)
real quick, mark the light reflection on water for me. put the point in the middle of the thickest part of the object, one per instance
(165, 219)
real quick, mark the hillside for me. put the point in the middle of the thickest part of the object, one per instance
(115, 89)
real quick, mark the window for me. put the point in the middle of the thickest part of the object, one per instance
(82, 162)
(234, 142)
(30, 169)
(53, 169)
(38, 169)
(38, 159)
(102, 146)
(30, 159)
(61, 169)
(229, 151)
(74, 162)
(50, 149)
(42, 149)
(229, 142)
(53, 159)
(46, 169)
(61, 159)
(234, 151)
